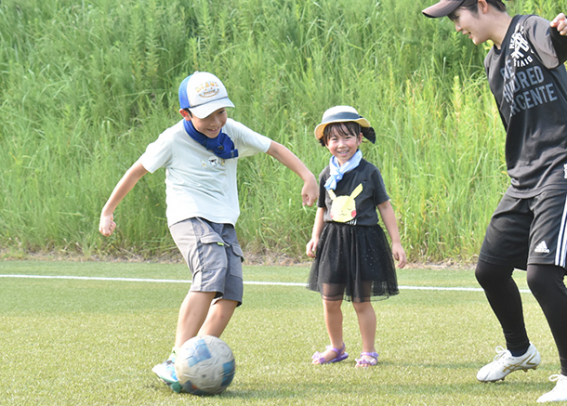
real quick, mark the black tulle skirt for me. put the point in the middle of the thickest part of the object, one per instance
(353, 263)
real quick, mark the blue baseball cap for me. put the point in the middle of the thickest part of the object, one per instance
(203, 93)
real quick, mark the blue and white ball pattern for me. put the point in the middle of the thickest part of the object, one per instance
(205, 365)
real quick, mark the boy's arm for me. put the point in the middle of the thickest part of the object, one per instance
(130, 178)
(311, 247)
(310, 191)
(389, 218)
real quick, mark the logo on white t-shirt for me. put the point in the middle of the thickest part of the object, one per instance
(214, 161)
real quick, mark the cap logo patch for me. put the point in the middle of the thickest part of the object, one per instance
(208, 89)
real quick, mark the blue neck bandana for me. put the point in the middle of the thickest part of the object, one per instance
(222, 146)
(337, 171)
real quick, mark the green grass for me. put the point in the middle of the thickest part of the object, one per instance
(86, 85)
(71, 342)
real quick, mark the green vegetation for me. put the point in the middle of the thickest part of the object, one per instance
(94, 342)
(86, 85)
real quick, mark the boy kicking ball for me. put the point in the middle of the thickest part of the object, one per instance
(200, 154)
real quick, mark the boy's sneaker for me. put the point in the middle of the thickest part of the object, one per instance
(559, 393)
(166, 372)
(504, 363)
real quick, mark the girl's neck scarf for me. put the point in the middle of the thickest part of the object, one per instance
(222, 146)
(337, 171)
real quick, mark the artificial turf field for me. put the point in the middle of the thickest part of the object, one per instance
(93, 338)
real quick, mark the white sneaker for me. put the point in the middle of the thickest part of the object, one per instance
(559, 393)
(166, 372)
(504, 363)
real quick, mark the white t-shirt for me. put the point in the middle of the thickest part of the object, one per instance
(198, 183)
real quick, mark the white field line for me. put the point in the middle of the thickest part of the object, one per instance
(95, 278)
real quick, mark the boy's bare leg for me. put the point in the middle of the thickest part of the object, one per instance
(334, 323)
(218, 317)
(192, 315)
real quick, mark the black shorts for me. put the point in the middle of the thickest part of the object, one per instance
(527, 231)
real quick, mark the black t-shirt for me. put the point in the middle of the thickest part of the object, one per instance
(529, 83)
(355, 199)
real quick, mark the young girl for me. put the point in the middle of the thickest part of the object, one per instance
(352, 256)
(527, 231)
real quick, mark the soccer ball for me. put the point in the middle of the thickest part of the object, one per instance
(205, 365)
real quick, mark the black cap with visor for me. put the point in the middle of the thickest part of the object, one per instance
(443, 8)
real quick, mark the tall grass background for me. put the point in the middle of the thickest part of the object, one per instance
(85, 86)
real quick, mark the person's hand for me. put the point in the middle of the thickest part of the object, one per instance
(560, 22)
(106, 225)
(310, 192)
(311, 248)
(399, 254)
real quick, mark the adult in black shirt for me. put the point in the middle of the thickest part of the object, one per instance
(528, 229)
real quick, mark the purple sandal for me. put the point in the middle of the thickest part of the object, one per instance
(341, 355)
(364, 362)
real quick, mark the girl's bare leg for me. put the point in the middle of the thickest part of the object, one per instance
(334, 323)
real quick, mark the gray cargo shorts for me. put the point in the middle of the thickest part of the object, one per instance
(213, 255)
